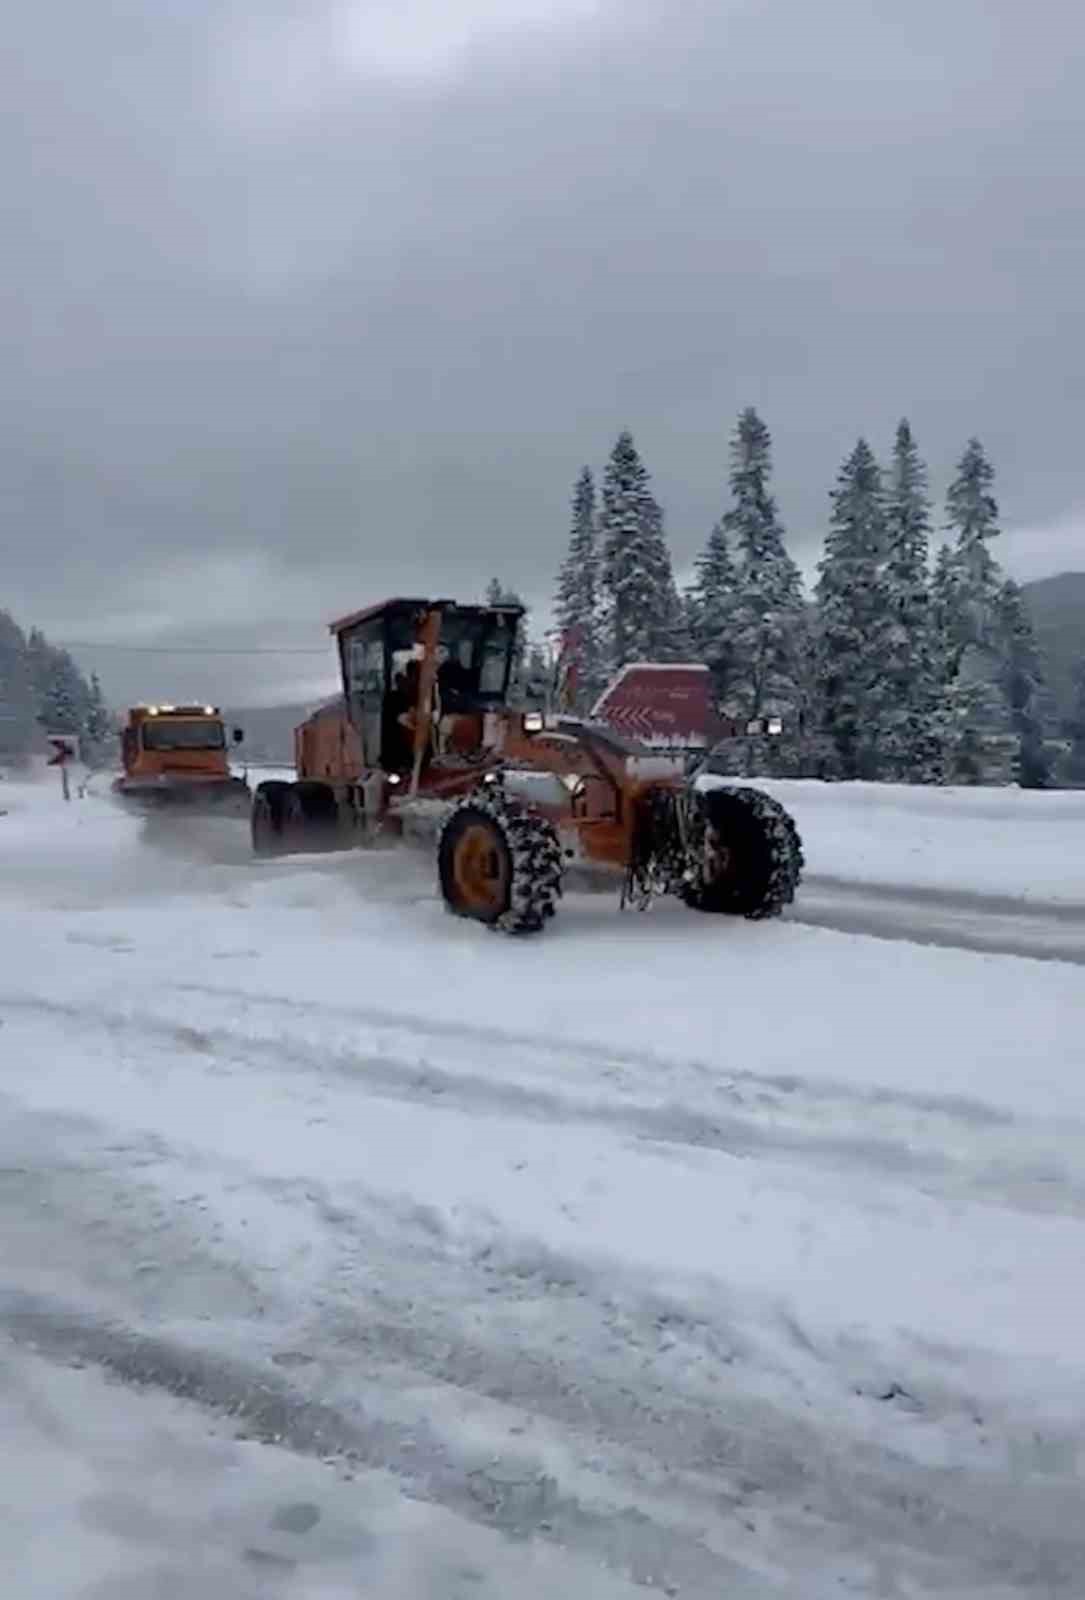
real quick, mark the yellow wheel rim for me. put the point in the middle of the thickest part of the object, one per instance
(480, 870)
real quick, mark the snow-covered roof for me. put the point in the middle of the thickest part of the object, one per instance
(644, 666)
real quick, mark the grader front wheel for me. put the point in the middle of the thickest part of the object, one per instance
(500, 863)
(480, 869)
(747, 855)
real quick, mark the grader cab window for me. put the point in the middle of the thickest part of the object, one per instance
(476, 651)
(365, 683)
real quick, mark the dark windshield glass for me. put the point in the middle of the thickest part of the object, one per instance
(474, 656)
(178, 733)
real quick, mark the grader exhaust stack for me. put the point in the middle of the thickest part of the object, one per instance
(424, 734)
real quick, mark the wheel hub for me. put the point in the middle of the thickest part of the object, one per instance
(717, 856)
(480, 869)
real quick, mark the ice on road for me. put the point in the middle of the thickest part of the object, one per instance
(660, 1252)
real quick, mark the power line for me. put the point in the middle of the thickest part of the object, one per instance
(188, 649)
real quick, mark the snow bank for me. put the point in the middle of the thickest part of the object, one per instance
(1020, 843)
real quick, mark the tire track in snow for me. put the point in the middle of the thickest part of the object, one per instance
(510, 1495)
(652, 1444)
(618, 1454)
(560, 1051)
(954, 920)
(897, 1137)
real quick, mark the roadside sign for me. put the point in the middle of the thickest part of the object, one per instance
(63, 750)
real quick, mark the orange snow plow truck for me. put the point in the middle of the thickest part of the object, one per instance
(177, 755)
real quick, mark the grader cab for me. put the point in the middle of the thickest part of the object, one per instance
(423, 740)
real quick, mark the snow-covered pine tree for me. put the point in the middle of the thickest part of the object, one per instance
(636, 581)
(972, 513)
(978, 737)
(98, 728)
(17, 707)
(709, 603)
(1022, 679)
(910, 687)
(576, 603)
(62, 693)
(672, 641)
(851, 598)
(764, 620)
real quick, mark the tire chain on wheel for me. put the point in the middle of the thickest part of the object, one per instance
(781, 839)
(536, 865)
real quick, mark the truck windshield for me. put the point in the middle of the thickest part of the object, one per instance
(180, 733)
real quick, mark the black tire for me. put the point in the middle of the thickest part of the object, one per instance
(757, 849)
(519, 888)
(312, 817)
(267, 816)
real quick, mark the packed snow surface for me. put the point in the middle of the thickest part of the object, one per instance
(346, 1249)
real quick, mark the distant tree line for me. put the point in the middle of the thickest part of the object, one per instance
(898, 667)
(43, 691)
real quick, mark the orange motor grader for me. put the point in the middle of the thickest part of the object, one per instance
(423, 739)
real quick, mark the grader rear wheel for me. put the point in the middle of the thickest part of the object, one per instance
(266, 818)
(500, 863)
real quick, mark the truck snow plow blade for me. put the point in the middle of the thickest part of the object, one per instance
(215, 796)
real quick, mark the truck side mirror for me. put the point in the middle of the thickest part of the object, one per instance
(239, 734)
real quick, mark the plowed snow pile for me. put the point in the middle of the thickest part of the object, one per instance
(347, 1249)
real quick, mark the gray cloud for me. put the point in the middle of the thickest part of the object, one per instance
(303, 305)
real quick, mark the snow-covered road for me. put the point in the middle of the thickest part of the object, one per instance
(723, 1259)
(955, 919)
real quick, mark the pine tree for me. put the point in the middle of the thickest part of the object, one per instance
(1022, 680)
(709, 604)
(852, 608)
(764, 619)
(908, 733)
(672, 641)
(636, 580)
(17, 707)
(576, 604)
(972, 513)
(977, 724)
(971, 508)
(62, 693)
(99, 724)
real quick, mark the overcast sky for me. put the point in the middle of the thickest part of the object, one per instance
(304, 304)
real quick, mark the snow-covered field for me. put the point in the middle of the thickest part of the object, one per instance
(348, 1250)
